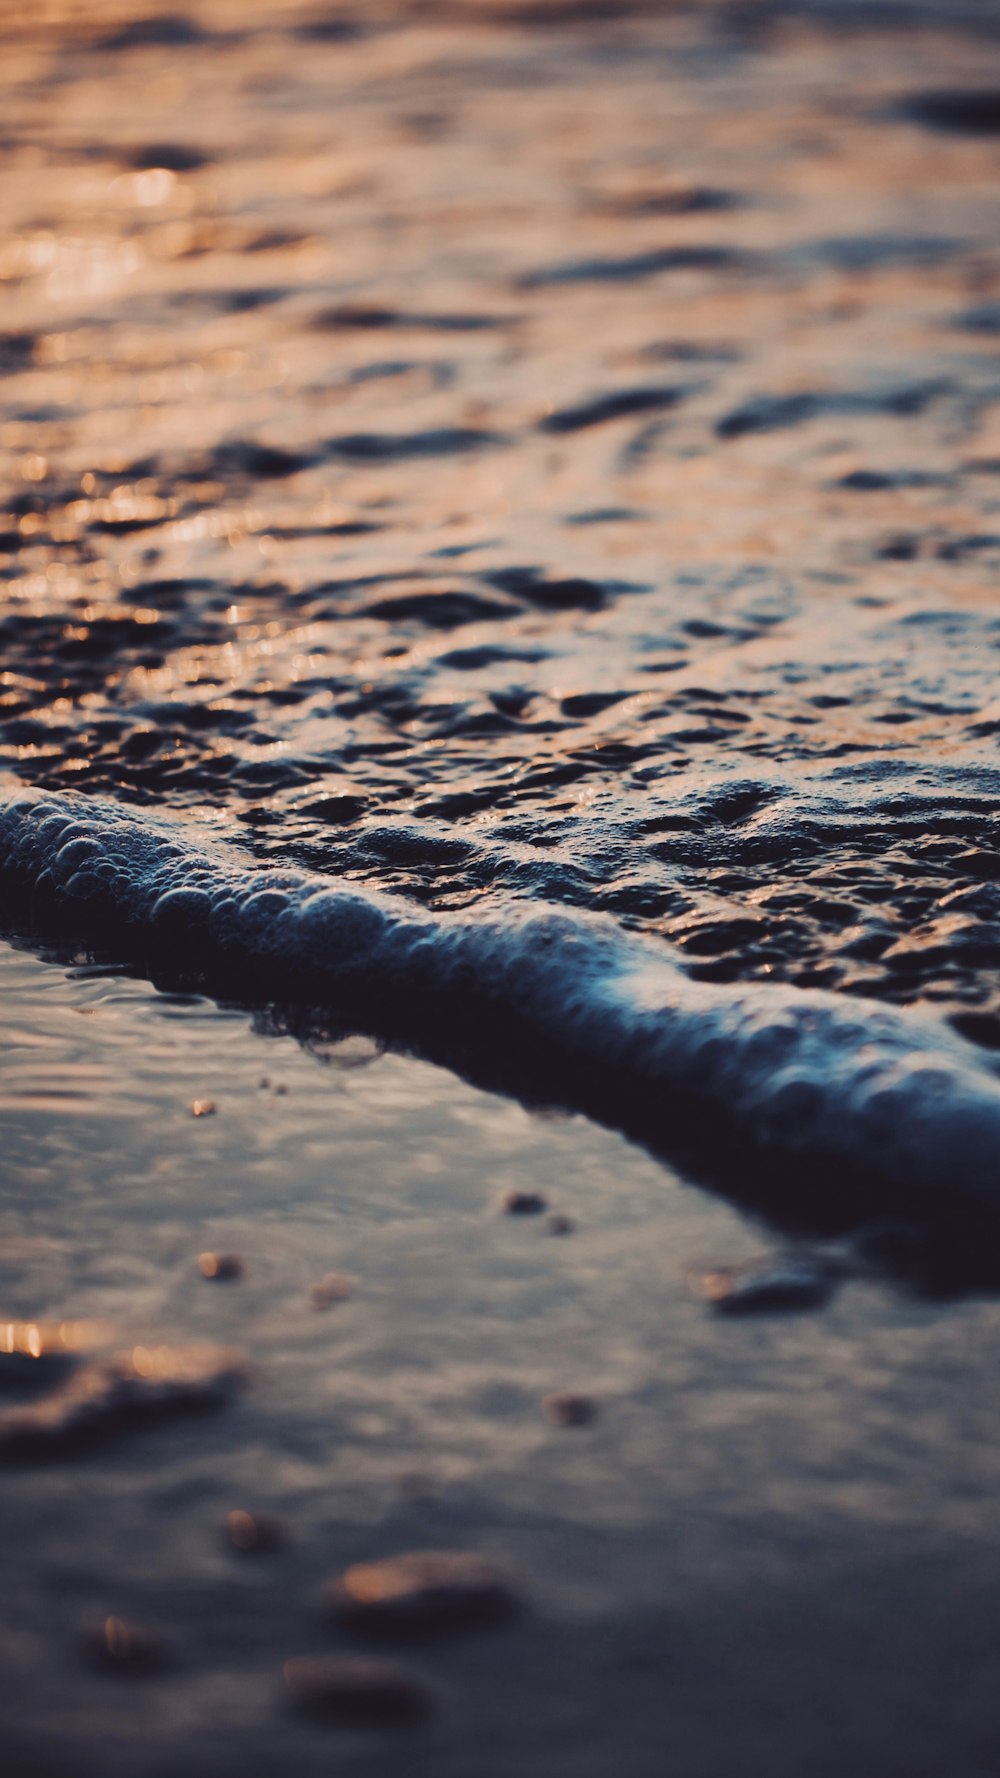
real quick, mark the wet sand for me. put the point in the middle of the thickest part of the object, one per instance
(773, 1543)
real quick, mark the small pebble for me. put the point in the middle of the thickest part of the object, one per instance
(568, 1410)
(421, 1593)
(221, 1267)
(354, 1692)
(203, 1108)
(256, 1534)
(514, 1203)
(781, 1287)
(558, 1224)
(124, 1648)
(336, 1287)
(104, 1397)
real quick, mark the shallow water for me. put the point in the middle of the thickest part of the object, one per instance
(480, 458)
(761, 1514)
(490, 458)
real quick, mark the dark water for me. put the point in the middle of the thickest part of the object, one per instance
(499, 526)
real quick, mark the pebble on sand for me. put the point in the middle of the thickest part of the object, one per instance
(254, 1534)
(122, 1647)
(568, 1410)
(203, 1108)
(222, 1268)
(515, 1203)
(781, 1286)
(335, 1287)
(105, 1397)
(358, 1693)
(421, 1593)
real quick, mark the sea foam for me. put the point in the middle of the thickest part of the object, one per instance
(831, 1110)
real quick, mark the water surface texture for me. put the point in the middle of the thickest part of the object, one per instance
(499, 531)
(477, 457)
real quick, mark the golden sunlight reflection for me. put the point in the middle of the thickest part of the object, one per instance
(32, 1339)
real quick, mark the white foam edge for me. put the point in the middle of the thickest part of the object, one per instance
(801, 1073)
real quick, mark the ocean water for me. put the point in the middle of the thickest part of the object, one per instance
(499, 530)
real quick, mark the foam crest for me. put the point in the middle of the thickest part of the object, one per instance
(827, 1109)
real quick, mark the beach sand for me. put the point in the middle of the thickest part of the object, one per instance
(775, 1542)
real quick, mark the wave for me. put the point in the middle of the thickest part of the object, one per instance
(823, 1112)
